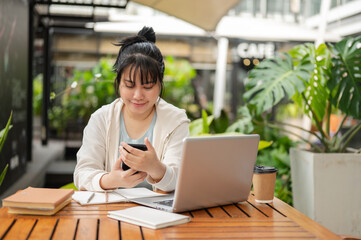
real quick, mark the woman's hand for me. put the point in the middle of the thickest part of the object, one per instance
(145, 161)
(117, 177)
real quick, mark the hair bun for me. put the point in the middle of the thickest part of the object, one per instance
(148, 33)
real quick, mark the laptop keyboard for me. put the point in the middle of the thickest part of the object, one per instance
(168, 202)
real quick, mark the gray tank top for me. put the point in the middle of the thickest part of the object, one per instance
(148, 134)
(124, 137)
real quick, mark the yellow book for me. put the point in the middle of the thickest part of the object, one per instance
(38, 198)
(30, 211)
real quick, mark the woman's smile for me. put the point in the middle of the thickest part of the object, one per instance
(138, 104)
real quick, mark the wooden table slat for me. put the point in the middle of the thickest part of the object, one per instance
(304, 221)
(65, 229)
(256, 211)
(200, 214)
(266, 209)
(249, 234)
(151, 234)
(217, 229)
(223, 222)
(43, 229)
(21, 228)
(87, 229)
(234, 212)
(109, 229)
(5, 225)
(130, 231)
(218, 212)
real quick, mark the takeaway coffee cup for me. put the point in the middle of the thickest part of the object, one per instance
(264, 179)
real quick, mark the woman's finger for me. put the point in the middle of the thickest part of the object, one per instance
(148, 144)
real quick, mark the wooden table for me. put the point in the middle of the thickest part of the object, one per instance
(245, 220)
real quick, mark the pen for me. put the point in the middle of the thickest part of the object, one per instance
(90, 197)
(106, 197)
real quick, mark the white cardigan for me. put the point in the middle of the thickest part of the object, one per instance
(99, 149)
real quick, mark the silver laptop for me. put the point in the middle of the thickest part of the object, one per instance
(215, 170)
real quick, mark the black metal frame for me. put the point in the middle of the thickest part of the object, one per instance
(84, 3)
(30, 82)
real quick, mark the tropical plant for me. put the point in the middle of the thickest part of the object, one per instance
(3, 135)
(203, 127)
(85, 92)
(321, 81)
(178, 89)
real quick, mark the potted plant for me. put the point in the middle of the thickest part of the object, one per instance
(3, 135)
(323, 81)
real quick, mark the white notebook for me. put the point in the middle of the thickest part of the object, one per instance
(118, 195)
(149, 217)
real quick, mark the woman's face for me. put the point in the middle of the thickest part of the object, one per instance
(139, 99)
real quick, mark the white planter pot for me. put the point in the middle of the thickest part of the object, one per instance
(327, 188)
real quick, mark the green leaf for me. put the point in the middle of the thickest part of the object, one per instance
(2, 176)
(196, 126)
(263, 144)
(274, 79)
(316, 91)
(69, 186)
(4, 132)
(220, 124)
(205, 122)
(244, 123)
(345, 83)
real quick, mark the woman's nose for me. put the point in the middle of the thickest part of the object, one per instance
(138, 92)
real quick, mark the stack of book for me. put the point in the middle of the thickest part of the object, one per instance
(38, 201)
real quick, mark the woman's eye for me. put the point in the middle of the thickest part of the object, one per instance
(129, 84)
(148, 85)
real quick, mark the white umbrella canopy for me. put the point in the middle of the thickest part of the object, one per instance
(202, 13)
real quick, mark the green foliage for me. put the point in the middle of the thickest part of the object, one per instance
(244, 122)
(94, 88)
(37, 95)
(69, 186)
(276, 151)
(3, 135)
(201, 126)
(288, 110)
(207, 124)
(316, 89)
(320, 80)
(345, 77)
(274, 79)
(86, 91)
(178, 89)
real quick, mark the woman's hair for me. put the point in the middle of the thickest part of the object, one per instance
(141, 55)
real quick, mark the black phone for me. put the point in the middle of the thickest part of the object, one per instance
(142, 147)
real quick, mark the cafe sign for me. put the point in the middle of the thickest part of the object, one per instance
(251, 54)
(256, 50)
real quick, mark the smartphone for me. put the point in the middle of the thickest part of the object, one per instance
(142, 147)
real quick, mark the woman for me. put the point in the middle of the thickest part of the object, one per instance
(138, 115)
